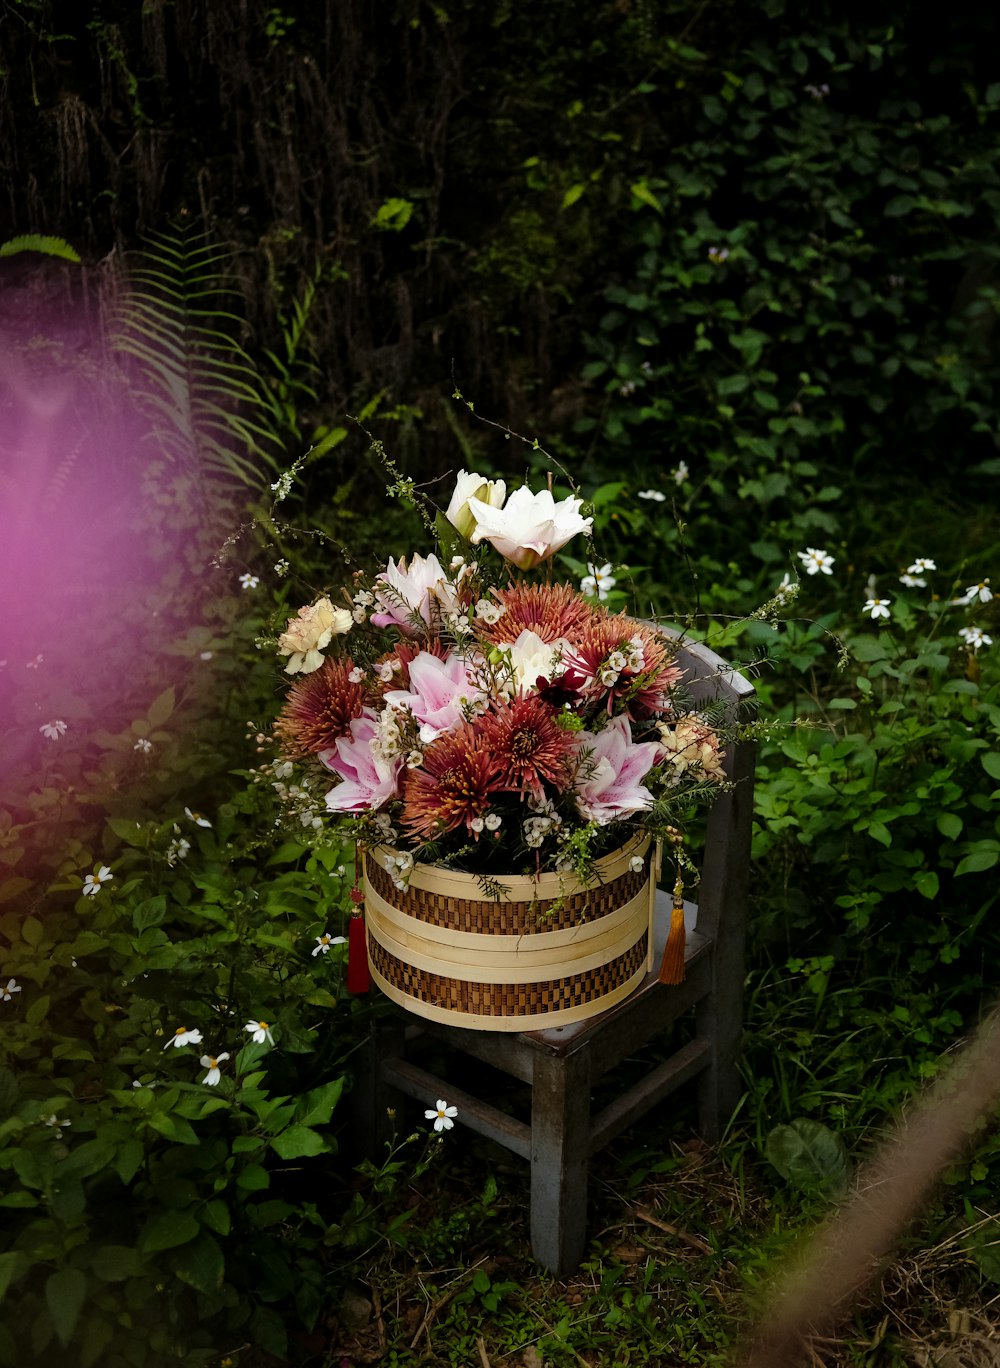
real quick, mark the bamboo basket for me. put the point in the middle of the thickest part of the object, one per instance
(547, 952)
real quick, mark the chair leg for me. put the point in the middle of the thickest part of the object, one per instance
(372, 1099)
(560, 1150)
(719, 1021)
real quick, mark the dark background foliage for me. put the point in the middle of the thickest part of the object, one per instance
(463, 176)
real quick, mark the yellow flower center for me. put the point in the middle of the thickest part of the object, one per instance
(181, 1030)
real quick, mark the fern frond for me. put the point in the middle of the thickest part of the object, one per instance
(35, 242)
(179, 322)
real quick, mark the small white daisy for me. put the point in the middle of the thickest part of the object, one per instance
(249, 581)
(92, 883)
(143, 744)
(211, 1063)
(680, 472)
(599, 581)
(877, 607)
(815, 561)
(53, 730)
(442, 1115)
(919, 565)
(980, 593)
(913, 581)
(12, 987)
(974, 637)
(56, 1123)
(324, 942)
(182, 1036)
(259, 1032)
(197, 818)
(654, 495)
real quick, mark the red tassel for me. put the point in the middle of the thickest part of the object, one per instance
(359, 979)
(672, 965)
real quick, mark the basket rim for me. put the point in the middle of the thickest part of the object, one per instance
(549, 886)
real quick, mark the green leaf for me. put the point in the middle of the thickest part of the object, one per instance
(215, 1215)
(173, 1127)
(950, 824)
(731, 384)
(393, 215)
(983, 1243)
(8, 1092)
(926, 883)
(32, 931)
(162, 707)
(64, 1294)
(298, 1141)
(254, 1178)
(167, 1229)
(12, 1265)
(150, 912)
(573, 194)
(267, 1332)
(35, 242)
(642, 192)
(36, 1012)
(115, 1263)
(868, 648)
(201, 1264)
(316, 1106)
(991, 764)
(982, 857)
(878, 832)
(810, 1156)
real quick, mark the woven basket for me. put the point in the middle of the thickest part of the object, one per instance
(548, 952)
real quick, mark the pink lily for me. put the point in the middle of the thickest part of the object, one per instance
(608, 779)
(369, 780)
(440, 692)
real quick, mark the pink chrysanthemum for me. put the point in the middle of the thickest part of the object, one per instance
(528, 744)
(549, 610)
(452, 786)
(320, 707)
(626, 663)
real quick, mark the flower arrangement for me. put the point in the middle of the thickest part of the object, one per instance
(474, 714)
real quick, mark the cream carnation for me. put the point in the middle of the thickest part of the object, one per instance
(692, 748)
(308, 632)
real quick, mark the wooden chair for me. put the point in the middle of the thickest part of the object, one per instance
(563, 1064)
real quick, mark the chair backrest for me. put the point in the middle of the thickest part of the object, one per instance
(722, 892)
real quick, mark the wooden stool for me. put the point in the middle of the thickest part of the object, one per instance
(563, 1063)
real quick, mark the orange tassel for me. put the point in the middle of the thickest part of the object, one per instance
(672, 965)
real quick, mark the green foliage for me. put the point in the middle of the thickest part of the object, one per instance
(144, 1185)
(810, 1156)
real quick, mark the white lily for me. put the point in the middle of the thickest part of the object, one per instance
(468, 486)
(530, 527)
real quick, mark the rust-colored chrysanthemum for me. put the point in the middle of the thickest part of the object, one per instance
(549, 610)
(452, 786)
(319, 708)
(642, 689)
(530, 747)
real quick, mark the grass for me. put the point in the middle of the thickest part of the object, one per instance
(685, 1248)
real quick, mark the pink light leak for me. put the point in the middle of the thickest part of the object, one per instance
(102, 556)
